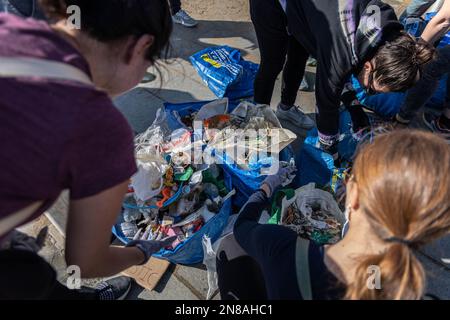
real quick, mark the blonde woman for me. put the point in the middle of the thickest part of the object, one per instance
(397, 201)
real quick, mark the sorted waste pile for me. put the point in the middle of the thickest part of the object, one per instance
(317, 225)
(177, 193)
(190, 198)
(169, 195)
(249, 136)
(313, 214)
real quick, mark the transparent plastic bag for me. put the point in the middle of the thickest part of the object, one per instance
(209, 260)
(308, 200)
(260, 133)
(148, 181)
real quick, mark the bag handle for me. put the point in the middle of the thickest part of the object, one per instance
(15, 67)
(302, 267)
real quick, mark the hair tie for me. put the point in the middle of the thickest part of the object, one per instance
(405, 242)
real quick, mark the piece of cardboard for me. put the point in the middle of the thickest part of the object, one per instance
(148, 275)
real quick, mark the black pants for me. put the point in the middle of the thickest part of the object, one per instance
(240, 279)
(175, 6)
(26, 276)
(275, 44)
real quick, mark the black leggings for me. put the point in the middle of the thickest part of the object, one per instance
(240, 278)
(275, 44)
(175, 6)
(26, 276)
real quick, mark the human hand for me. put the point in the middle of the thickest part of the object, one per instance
(285, 176)
(150, 247)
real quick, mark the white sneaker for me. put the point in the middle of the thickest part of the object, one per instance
(296, 117)
(183, 18)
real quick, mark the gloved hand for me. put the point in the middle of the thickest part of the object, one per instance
(21, 241)
(286, 174)
(150, 247)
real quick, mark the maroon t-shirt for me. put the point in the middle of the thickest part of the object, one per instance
(55, 135)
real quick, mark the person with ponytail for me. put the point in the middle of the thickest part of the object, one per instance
(61, 131)
(398, 200)
(361, 38)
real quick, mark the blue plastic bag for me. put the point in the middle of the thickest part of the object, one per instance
(245, 182)
(190, 251)
(315, 165)
(225, 72)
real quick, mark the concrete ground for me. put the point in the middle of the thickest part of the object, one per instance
(220, 23)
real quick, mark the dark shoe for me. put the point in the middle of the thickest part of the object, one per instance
(114, 289)
(296, 117)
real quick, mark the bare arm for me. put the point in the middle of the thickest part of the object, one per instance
(89, 233)
(439, 25)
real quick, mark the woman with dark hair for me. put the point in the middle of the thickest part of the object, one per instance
(60, 130)
(362, 38)
(396, 203)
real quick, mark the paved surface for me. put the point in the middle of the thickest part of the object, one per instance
(180, 83)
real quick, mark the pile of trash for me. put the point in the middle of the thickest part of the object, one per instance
(249, 136)
(170, 195)
(313, 214)
(189, 199)
(319, 225)
(185, 177)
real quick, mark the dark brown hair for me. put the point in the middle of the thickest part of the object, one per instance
(403, 183)
(400, 59)
(112, 20)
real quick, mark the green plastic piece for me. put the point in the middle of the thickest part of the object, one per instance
(185, 176)
(220, 184)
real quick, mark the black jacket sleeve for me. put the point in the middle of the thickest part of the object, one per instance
(272, 246)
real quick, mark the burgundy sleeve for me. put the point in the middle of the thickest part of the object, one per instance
(101, 152)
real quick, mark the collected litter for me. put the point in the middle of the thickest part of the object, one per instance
(169, 195)
(313, 214)
(249, 136)
(246, 155)
(175, 194)
(188, 200)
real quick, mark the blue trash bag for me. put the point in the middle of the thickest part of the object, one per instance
(317, 166)
(245, 182)
(190, 251)
(225, 72)
(388, 105)
(313, 165)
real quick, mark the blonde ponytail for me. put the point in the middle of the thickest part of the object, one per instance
(402, 276)
(403, 183)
